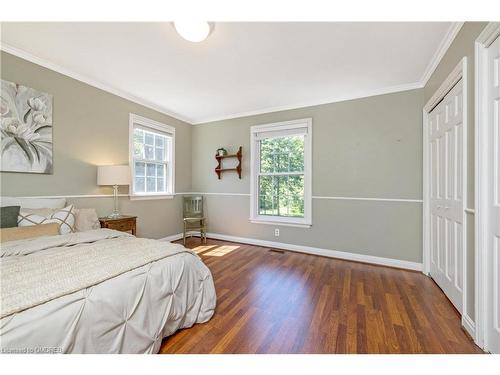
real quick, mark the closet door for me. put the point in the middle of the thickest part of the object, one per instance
(446, 135)
(493, 240)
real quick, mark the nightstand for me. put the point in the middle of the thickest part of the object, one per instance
(123, 223)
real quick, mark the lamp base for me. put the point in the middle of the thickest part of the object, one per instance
(115, 214)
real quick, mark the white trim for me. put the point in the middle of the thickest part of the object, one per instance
(98, 196)
(370, 199)
(164, 128)
(457, 74)
(465, 185)
(389, 262)
(232, 194)
(71, 196)
(321, 197)
(139, 197)
(254, 167)
(469, 325)
(441, 51)
(173, 237)
(284, 223)
(481, 194)
(141, 120)
(222, 194)
(89, 81)
(426, 234)
(330, 100)
(487, 36)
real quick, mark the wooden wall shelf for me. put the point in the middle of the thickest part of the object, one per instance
(237, 169)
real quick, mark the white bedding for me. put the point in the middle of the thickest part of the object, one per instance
(128, 313)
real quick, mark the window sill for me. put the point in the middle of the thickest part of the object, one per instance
(285, 223)
(151, 197)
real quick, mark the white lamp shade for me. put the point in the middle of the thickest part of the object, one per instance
(113, 175)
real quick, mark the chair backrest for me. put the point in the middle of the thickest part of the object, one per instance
(193, 206)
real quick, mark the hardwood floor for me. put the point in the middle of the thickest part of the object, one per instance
(284, 302)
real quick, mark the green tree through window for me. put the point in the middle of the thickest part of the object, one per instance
(281, 176)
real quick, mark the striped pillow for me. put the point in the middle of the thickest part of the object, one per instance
(64, 217)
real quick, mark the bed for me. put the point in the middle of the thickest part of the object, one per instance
(99, 291)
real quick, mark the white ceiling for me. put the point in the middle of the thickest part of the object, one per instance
(242, 68)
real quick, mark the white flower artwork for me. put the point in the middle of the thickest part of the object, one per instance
(26, 126)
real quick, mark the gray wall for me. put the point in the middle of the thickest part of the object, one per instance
(463, 45)
(90, 129)
(370, 147)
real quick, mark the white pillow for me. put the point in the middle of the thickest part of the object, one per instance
(33, 202)
(64, 217)
(86, 219)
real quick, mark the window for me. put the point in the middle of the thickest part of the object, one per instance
(281, 173)
(151, 158)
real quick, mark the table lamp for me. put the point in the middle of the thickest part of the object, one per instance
(113, 175)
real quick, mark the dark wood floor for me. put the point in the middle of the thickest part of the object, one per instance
(272, 302)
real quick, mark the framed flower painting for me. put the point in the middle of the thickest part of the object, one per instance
(26, 126)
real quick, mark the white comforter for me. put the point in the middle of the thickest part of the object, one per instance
(129, 312)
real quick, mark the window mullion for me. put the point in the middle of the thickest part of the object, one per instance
(301, 173)
(149, 161)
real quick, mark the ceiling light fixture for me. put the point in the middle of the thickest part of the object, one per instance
(193, 31)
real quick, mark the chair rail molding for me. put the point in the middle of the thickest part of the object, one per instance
(375, 199)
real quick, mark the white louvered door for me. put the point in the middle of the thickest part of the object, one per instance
(446, 190)
(492, 338)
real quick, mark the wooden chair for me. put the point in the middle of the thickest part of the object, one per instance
(194, 220)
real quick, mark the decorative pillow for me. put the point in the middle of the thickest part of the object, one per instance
(27, 202)
(39, 211)
(86, 219)
(22, 233)
(64, 217)
(8, 216)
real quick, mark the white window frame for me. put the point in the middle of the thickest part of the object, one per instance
(158, 126)
(304, 222)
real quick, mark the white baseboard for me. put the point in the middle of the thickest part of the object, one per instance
(173, 237)
(313, 250)
(469, 325)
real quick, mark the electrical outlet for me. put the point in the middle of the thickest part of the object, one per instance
(276, 232)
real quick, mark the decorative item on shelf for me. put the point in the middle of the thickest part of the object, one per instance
(219, 159)
(221, 151)
(113, 175)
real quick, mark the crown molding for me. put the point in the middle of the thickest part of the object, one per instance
(89, 81)
(441, 51)
(336, 99)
